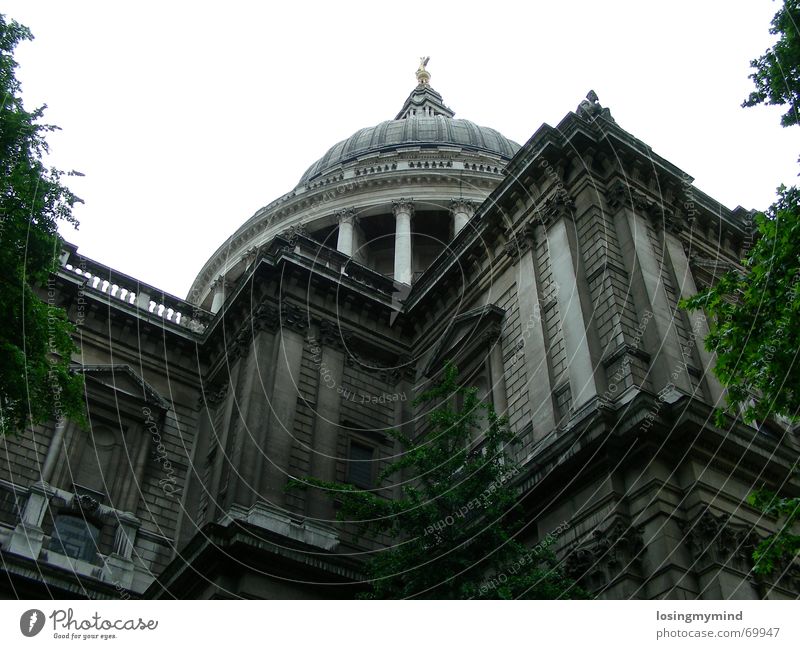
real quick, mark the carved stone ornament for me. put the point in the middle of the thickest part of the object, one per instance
(346, 215)
(403, 205)
(250, 255)
(714, 538)
(661, 216)
(266, 317)
(559, 205)
(214, 395)
(590, 108)
(293, 317)
(85, 504)
(462, 205)
(520, 242)
(598, 560)
(333, 335)
(292, 232)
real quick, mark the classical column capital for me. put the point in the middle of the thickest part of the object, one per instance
(403, 206)
(346, 238)
(220, 288)
(462, 206)
(249, 256)
(347, 215)
(462, 211)
(220, 284)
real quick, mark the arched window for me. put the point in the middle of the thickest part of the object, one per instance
(75, 537)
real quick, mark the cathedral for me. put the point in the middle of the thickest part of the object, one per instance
(548, 272)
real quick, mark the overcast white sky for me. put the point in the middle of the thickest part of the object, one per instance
(188, 117)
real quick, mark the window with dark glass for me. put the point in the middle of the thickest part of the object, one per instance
(75, 537)
(360, 465)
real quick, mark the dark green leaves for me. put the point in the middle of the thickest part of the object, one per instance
(777, 71)
(35, 336)
(755, 318)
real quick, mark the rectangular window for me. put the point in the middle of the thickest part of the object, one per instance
(360, 465)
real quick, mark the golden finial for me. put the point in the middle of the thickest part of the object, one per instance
(423, 76)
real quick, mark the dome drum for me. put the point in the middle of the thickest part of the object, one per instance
(424, 156)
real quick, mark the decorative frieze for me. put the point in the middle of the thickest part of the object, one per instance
(389, 373)
(559, 205)
(714, 539)
(293, 317)
(596, 562)
(266, 318)
(333, 335)
(660, 215)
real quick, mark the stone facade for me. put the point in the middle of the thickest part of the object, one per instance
(549, 272)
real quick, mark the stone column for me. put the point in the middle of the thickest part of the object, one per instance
(125, 534)
(131, 491)
(118, 566)
(497, 379)
(462, 211)
(219, 287)
(534, 349)
(647, 287)
(27, 538)
(272, 466)
(403, 211)
(326, 426)
(54, 450)
(251, 442)
(575, 322)
(699, 325)
(346, 219)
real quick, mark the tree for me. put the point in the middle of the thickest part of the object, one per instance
(777, 71)
(755, 313)
(35, 336)
(455, 525)
(755, 318)
(755, 334)
(784, 544)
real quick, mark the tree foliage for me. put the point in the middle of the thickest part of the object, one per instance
(755, 318)
(35, 336)
(772, 551)
(777, 72)
(454, 527)
(755, 313)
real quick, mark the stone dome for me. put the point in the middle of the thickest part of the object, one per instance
(422, 131)
(449, 166)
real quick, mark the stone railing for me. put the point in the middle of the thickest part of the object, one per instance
(124, 289)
